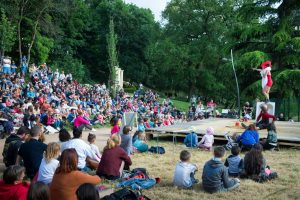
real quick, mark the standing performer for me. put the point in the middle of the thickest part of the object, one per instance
(266, 80)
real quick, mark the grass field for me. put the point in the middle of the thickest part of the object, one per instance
(285, 162)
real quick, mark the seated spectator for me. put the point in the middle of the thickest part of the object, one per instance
(281, 117)
(126, 140)
(248, 138)
(215, 174)
(81, 123)
(12, 145)
(141, 126)
(207, 140)
(72, 115)
(87, 191)
(135, 136)
(115, 128)
(84, 151)
(64, 136)
(38, 191)
(92, 140)
(67, 178)
(113, 159)
(140, 144)
(191, 140)
(255, 166)
(49, 163)
(234, 162)
(12, 185)
(32, 152)
(184, 175)
(271, 142)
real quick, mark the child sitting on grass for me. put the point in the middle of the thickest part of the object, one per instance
(207, 140)
(270, 142)
(92, 139)
(140, 143)
(184, 176)
(234, 162)
(215, 174)
(191, 140)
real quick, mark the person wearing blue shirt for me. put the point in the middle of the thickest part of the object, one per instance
(191, 140)
(248, 138)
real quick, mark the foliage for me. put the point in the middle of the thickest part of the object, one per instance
(7, 36)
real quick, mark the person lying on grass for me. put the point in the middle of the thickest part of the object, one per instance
(184, 175)
(215, 174)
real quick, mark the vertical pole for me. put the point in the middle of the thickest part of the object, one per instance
(298, 109)
(237, 86)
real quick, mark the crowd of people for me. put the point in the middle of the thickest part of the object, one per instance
(61, 170)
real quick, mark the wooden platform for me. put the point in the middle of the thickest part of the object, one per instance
(288, 132)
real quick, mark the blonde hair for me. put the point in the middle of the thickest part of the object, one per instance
(142, 136)
(112, 142)
(52, 151)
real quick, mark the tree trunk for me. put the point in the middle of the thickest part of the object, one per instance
(34, 34)
(19, 29)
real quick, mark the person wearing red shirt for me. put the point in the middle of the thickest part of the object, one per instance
(263, 119)
(12, 186)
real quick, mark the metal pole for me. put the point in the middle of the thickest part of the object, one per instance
(237, 86)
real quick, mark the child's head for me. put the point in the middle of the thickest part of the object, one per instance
(251, 127)
(185, 156)
(210, 131)
(126, 129)
(235, 150)
(219, 152)
(52, 151)
(64, 135)
(142, 136)
(91, 138)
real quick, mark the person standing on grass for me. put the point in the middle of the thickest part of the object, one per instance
(215, 174)
(32, 152)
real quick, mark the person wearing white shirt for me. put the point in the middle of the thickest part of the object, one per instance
(49, 163)
(185, 172)
(82, 148)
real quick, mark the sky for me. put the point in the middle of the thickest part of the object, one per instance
(157, 6)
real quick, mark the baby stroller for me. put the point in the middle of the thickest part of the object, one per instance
(230, 141)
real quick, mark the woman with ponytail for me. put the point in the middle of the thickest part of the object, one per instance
(113, 159)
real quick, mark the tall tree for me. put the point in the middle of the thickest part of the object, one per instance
(7, 36)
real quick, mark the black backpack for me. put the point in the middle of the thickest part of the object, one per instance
(157, 150)
(125, 194)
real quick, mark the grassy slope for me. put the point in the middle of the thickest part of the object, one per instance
(285, 162)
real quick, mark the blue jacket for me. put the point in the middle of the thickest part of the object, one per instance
(249, 137)
(191, 140)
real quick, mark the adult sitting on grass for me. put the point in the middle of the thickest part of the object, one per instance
(113, 159)
(215, 174)
(83, 150)
(126, 140)
(32, 152)
(140, 144)
(82, 123)
(12, 185)
(67, 178)
(255, 166)
(12, 146)
(248, 138)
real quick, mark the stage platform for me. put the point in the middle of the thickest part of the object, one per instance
(288, 132)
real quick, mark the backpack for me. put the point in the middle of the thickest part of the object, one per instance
(157, 150)
(123, 194)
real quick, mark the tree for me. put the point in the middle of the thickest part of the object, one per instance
(7, 36)
(112, 57)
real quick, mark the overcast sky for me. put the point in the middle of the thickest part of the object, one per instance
(157, 6)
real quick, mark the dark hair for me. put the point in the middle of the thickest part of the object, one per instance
(35, 131)
(68, 161)
(91, 137)
(12, 174)
(114, 121)
(235, 150)
(77, 133)
(37, 191)
(219, 152)
(64, 135)
(272, 127)
(137, 133)
(251, 127)
(185, 155)
(87, 191)
(126, 129)
(253, 160)
(23, 130)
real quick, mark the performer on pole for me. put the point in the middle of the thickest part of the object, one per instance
(266, 81)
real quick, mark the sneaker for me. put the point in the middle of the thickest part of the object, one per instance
(93, 130)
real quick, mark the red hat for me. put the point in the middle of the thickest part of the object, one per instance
(266, 64)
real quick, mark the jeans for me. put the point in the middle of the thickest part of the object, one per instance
(82, 126)
(236, 185)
